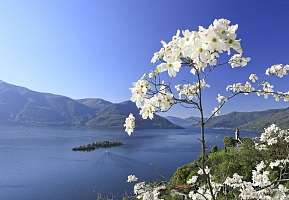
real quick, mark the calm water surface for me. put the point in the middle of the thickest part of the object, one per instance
(38, 163)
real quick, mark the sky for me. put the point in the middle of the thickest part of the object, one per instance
(97, 48)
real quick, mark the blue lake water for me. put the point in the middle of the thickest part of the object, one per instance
(38, 163)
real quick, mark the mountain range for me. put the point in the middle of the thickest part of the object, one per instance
(19, 105)
(257, 120)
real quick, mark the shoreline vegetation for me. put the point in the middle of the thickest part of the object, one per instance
(97, 145)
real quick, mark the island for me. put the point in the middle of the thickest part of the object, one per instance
(97, 145)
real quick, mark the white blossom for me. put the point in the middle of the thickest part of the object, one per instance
(239, 87)
(260, 179)
(171, 65)
(148, 109)
(235, 181)
(221, 98)
(281, 193)
(192, 180)
(260, 166)
(190, 91)
(129, 124)
(267, 87)
(139, 91)
(147, 192)
(202, 47)
(253, 78)
(238, 61)
(132, 178)
(163, 100)
(279, 70)
(201, 172)
(271, 136)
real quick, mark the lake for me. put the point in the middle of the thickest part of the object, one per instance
(39, 164)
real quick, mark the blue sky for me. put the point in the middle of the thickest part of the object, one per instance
(96, 48)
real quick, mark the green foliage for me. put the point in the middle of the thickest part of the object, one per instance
(223, 163)
(228, 161)
(167, 195)
(214, 149)
(182, 174)
(241, 159)
(247, 142)
(277, 152)
(229, 141)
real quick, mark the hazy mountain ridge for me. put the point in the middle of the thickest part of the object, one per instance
(96, 104)
(184, 122)
(252, 120)
(115, 115)
(19, 105)
(256, 120)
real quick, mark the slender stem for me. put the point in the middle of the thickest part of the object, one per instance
(203, 141)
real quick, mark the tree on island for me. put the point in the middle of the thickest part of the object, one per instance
(200, 53)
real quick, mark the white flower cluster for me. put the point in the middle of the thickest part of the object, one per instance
(129, 124)
(235, 181)
(279, 163)
(201, 48)
(238, 61)
(272, 135)
(264, 89)
(253, 78)
(245, 89)
(139, 91)
(239, 87)
(148, 192)
(148, 104)
(190, 91)
(260, 188)
(201, 171)
(203, 192)
(221, 100)
(260, 177)
(132, 178)
(192, 180)
(161, 101)
(279, 70)
(267, 89)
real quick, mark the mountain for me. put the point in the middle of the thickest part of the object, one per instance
(23, 106)
(256, 120)
(115, 114)
(95, 103)
(19, 105)
(184, 122)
